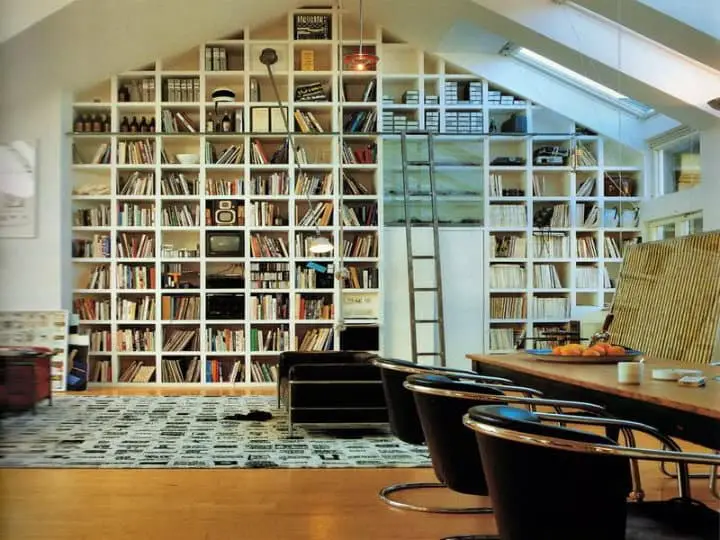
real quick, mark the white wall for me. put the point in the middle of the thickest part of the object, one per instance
(704, 197)
(34, 272)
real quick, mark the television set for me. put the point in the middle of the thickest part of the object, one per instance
(224, 244)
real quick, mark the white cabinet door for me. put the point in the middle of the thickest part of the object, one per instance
(461, 251)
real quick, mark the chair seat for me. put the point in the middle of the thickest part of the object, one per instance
(675, 519)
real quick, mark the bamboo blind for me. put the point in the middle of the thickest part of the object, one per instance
(667, 302)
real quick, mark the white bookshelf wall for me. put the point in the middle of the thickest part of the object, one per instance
(150, 196)
(146, 273)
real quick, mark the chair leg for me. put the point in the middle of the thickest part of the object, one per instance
(387, 491)
(712, 476)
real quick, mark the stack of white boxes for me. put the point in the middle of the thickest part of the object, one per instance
(496, 97)
(432, 121)
(473, 90)
(464, 121)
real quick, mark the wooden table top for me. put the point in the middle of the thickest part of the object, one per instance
(603, 377)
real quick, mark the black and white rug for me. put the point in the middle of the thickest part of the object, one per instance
(186, 432)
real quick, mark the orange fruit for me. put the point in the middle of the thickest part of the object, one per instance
(557, 351)
(616, 350)
(592, 352)
(602, 351)
(602, 345)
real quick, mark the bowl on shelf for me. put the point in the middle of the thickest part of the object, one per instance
(600, 353)
(188, 159)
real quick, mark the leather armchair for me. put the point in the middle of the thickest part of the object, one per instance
(331, 388)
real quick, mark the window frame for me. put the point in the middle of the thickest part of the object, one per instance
(681, 224)
(579, 81)
(658, 161)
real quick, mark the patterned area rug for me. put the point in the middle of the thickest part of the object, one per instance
(186, 432)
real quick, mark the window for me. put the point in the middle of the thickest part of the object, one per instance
(678, 164)
(585, 83)
(676, 227)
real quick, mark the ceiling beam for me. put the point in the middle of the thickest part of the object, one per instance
(609, 54)
(660, 27)
(703, 15)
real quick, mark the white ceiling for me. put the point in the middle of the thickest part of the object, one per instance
(18, 15)
(73, 50)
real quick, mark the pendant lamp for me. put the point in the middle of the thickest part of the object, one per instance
(361, 60)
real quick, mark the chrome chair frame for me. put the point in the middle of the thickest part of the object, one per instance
(712, 476)
(455, 374)
(682, 459)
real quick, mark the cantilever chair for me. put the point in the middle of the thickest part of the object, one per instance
(442, 403)
(549, 481)
(405, 422)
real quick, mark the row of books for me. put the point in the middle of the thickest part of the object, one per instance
(98, 216)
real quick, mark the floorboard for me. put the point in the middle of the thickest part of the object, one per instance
(235, 504)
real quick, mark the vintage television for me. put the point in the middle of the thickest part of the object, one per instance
(223, 213)
(224, 244)
(225, 306)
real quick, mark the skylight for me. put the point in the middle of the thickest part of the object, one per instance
(536, 60)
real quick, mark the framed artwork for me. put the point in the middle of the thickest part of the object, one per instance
(39, 329)
(18, 189)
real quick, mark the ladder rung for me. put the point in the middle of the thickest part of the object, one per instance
(426, 257)
(424, 163)
(425, 289)
(428, 354)
(426, 321)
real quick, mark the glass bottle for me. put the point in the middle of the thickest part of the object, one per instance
(151, 125)
(78, 126)
(143, 125)
(209, 123)
(106, 123)
(226, 123)
(124, 125)
(96, 123)
(134, 125)
(87, 123)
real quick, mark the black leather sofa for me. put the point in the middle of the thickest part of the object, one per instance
(331, 388)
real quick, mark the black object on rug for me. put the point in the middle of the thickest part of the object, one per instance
(258, 416)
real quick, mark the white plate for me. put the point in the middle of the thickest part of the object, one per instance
(674, 374)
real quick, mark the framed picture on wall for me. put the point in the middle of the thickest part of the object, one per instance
(18, 189)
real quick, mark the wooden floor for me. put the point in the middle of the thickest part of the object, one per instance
(242, 504)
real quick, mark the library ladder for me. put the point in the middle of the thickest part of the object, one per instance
(437, 320)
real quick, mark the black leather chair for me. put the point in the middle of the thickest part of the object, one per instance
(548, 481)
(331, 388)
(443, 402)
(405, 422)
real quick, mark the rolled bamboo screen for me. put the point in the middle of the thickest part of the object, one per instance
(667, 302)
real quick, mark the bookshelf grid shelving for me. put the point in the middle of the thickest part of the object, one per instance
(168, 202)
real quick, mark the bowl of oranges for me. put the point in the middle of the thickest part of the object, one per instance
(599, 353)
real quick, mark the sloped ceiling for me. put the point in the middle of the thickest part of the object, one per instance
(90, 40)
(666, 27)
(16, 16)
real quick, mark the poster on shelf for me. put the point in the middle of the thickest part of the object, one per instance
(39, 329)
(18, 189)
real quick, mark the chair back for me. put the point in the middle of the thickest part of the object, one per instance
(548, 491)
(441, 404)
(402, 412)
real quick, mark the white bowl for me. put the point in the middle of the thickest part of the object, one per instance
(188, 159)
